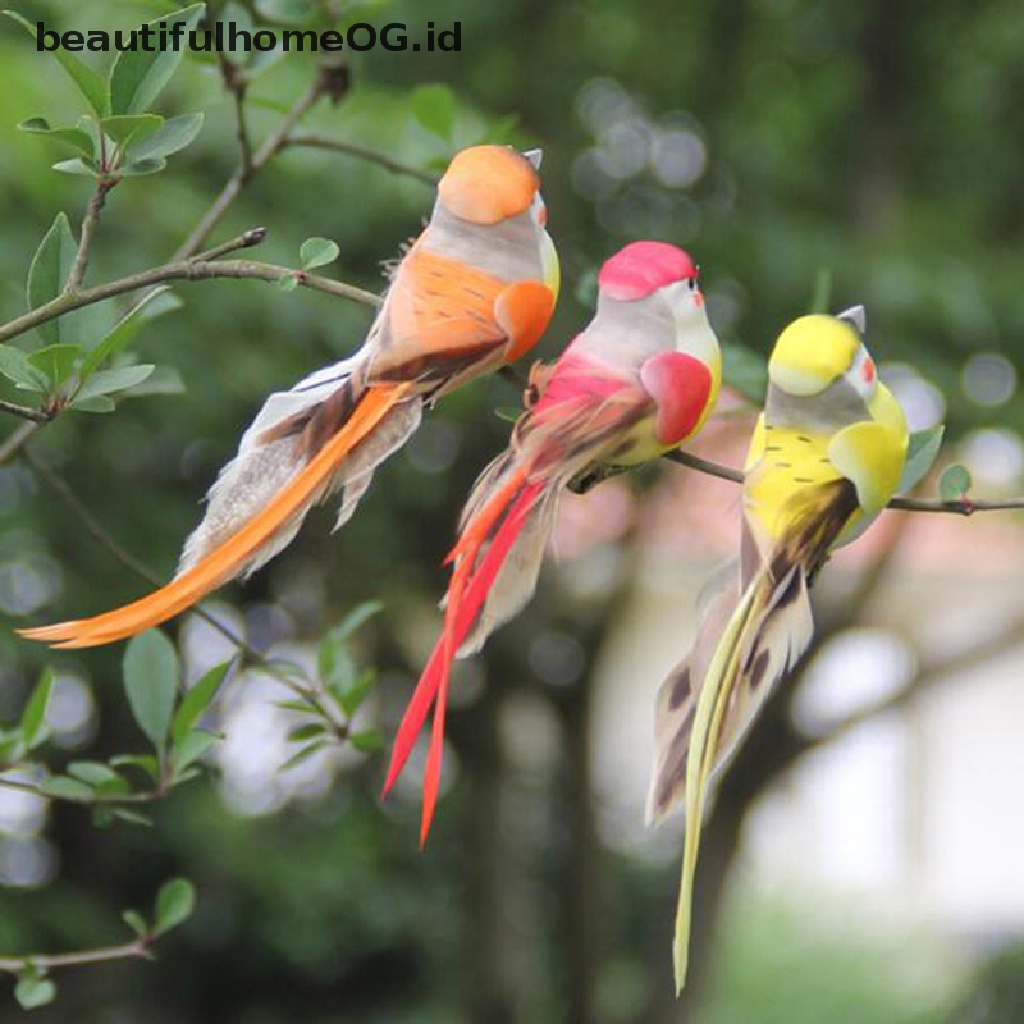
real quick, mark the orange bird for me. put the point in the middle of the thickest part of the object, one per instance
(471, 294)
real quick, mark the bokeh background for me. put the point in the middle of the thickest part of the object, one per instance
(863, 863)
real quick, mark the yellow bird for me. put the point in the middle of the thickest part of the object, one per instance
(825, 458)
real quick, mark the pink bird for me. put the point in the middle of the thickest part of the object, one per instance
(639, 381)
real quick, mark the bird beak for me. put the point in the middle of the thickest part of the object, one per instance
(856, 316)
(534, 156)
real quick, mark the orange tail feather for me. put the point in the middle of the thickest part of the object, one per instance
(226, 560)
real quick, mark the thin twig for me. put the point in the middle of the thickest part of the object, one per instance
(252, 237)
(17, 440)
(182, 270)
(89, 222)
(235, 82)
(26, 413)
(373, 156)
(704, 466)
(137, 950)
(145, 796)
(959, 506)
(308, 691)
(272, 145)
(1004, 640)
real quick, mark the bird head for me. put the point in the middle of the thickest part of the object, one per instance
(488, 184)
(640, 269)
(815, 351)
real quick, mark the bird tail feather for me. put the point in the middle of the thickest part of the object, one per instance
(235, 552)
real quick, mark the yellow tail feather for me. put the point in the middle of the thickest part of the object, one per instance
(707, 725)
(226, 560)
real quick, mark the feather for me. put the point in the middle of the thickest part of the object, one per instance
(461, 613)
(768, 631)
(231, 556)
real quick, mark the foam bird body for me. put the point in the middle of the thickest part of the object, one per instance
(472, 293)
(641, 379)
(825, 458)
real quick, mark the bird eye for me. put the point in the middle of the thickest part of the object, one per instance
(692, 281)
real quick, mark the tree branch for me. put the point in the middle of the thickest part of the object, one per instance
(1001, 642)
(192, 269)
(139, 949)
(271, 146)
(89, 222)
(959, 506)
(145, 796)
(26, 413)
(254, 236)
(235, 82)
(17, 440)
(373, 156)
(308, 691)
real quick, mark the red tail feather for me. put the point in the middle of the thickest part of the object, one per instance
(463, 608)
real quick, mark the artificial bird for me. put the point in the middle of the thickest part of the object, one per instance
(472, 293)
(638, 381)
(825, 457)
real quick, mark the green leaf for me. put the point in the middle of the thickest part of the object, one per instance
(81, 140)
(433, 106)
(174, 904)
(306, 732)
(63, 788)
(290, 12)
(367, 742)
(922, 449)
(93, 773)
(175, 135)
(302, 706)
(123, 128)
(106, 382)
(745, 371)
(56, 361)
(282, 666)
(89, 82)
(500, 130)
(33, 718)
(138, 168)
(352, 698)
(304, 754)
(102, 816)
(164, 380)
(288, 283)
(190, 749)
(136, 922)
(196, 700)
(318, 252)
(80, 165)
(821, 297)
(133, 817)
(160, 300)
(49, 270)
(98, 403)
(335, 667)
(33, 991)
(14, 365)
(954, 483)
(137, 77)
(359, 615)
(144, 762)
(151, 683)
